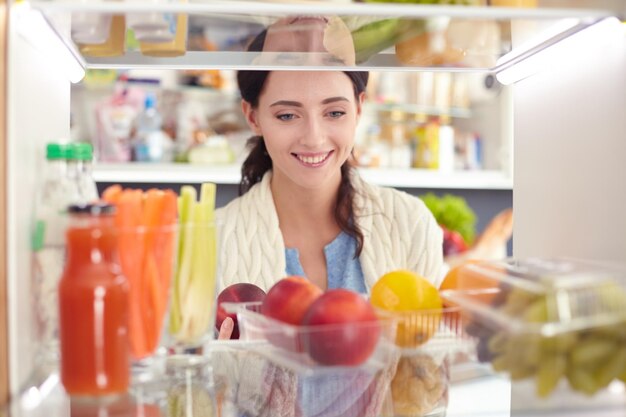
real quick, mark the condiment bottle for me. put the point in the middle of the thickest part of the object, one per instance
(93, 306)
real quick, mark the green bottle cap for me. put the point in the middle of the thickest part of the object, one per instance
(56, 151)
(81, 151)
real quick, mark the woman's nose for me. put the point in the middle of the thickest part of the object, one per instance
(314, 134)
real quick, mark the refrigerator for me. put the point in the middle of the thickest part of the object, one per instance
(569, 124)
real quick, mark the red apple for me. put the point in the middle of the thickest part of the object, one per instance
(236, 293)
(348, 329)
(287, 301)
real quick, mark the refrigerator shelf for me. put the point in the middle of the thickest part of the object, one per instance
(230, 174)
(355, 36)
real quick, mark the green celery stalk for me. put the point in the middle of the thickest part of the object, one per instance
(186, 203)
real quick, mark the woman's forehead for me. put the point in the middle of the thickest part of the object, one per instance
(307, 83)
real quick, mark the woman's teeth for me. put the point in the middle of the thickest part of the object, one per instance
(313, 159)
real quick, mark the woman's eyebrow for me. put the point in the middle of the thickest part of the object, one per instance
(298, 104)
(334, 99)
(286, 103)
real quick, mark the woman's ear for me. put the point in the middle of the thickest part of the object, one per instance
(359, 104)
(251, 119)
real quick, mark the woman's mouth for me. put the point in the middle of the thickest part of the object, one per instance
(312, 160)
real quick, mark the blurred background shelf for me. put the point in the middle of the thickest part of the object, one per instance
(230, 174)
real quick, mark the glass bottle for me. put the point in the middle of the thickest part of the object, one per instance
(93, 306)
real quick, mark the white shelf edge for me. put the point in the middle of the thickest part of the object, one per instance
(312, 8)
(230, 174)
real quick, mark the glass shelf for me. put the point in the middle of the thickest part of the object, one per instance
(231, 174)
(307, 35)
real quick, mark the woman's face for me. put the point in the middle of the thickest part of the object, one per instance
(308, 120)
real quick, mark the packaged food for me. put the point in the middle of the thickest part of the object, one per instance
(556, 327)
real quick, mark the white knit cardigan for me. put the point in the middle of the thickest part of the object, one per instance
(399, 232)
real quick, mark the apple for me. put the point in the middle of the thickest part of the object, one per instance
(236, 293)
(348, 329)
(287, 301)
(453, 242)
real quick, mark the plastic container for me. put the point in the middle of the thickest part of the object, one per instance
(556, 327)
(428, 341)
(114, 43)
(272, 373)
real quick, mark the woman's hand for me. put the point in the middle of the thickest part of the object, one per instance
(226, 329)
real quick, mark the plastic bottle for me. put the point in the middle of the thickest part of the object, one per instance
(93, 306)
(48, 251)
(150, 140)
(80, 155)
(446, 145)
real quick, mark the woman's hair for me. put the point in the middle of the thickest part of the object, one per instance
(259, 162)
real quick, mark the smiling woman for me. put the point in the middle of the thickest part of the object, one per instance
(304, 210)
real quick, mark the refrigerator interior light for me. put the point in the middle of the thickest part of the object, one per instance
(556, 53)
(33, 27)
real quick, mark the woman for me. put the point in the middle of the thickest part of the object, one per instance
(303, 209)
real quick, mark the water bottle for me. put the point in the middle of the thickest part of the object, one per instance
(150, 139)
(48, 251)
(79, 172)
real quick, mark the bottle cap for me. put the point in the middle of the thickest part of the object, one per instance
(56, 151)
(95, 209)
(81, 151)
(150, 102)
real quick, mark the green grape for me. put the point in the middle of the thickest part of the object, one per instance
(612, 368)
(551, 369)
(517, 301)
(521, 371)
(497, 343)
(500, 363)
(616, 331)
(530, 350)
(582, 380)
(561, 343)
(592, 350)
(537, 312)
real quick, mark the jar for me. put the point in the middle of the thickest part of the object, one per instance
(93, 306)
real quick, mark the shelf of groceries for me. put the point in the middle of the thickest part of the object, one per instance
(174, 173)
(188, 34)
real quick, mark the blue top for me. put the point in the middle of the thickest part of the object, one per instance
(331, 394)
(343, 269)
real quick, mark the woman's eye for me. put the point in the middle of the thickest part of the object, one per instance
(286, 117)
(336, 114)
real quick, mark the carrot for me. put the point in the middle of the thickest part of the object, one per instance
(151, 281)
(131, 251)
(112, 193)
(165, 240)
(154, 306)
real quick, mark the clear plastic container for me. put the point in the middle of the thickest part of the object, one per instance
(270, 371)
(556, 327)
(428, 342)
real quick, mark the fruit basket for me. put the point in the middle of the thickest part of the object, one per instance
(274, 369)
(556, 327)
